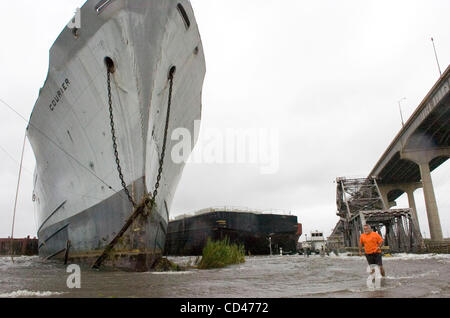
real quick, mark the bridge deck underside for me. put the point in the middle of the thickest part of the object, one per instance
(432, 133)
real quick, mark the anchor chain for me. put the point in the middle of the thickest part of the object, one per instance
(147, 202)
(114, 141)
(163, 149)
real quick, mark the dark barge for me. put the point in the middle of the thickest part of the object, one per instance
(260, 233)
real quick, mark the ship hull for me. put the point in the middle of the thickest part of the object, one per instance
(188, 236)
(80, 201)
(88, 231)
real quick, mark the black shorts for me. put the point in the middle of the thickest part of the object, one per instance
(374, 258)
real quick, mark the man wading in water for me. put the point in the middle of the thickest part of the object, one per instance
(372, 242)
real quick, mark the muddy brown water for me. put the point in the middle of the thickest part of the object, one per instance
(407, 275)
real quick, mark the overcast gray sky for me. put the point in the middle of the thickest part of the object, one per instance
(327, 74)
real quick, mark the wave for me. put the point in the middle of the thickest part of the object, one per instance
(19, 261)
(395, 256)
(411, 276)
(29, 293)
(407, 256)
(172, 273)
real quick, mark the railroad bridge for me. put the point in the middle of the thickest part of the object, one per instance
(422, 145)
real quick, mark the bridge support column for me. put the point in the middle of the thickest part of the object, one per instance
(412, 206)
(384, 192)
(384, 197)
(422, 159)
(430, 203)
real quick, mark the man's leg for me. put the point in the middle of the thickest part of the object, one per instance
(380, 263)
(370, 261)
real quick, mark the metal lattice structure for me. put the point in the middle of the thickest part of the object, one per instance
(359, 202)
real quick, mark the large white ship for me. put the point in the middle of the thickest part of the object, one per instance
(151, 52)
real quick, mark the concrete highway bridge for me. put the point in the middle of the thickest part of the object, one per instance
(422, 145)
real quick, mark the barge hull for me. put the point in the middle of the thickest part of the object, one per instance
(188, 236)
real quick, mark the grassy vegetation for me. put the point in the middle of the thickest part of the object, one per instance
(164, 265)
(220, 254)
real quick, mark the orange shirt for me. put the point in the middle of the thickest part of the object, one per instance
(371, 242)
